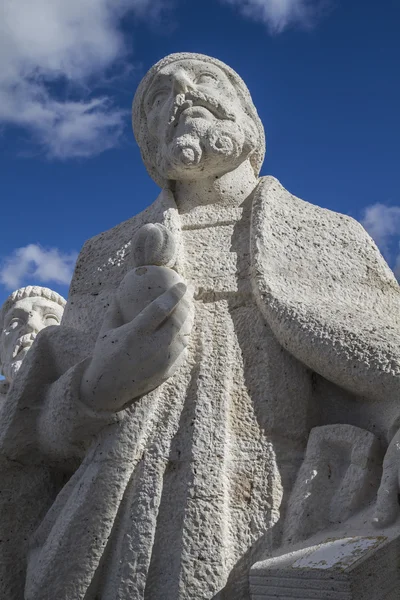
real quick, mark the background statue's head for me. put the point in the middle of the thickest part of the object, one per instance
(25, 312)
(193, 117)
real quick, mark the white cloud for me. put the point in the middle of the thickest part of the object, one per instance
(383, 224)
(34, 264)
(280, 14)
(45, 42)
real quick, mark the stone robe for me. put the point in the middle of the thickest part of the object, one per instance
(4, 387)
(297, 324)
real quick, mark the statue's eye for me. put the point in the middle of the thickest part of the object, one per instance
(207, 79)
(157, 98)
(51, 320)
(14, 323)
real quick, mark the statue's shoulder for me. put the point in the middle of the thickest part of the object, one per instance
(309, 260)
(273, 199)
(326, 291)
(315, 239)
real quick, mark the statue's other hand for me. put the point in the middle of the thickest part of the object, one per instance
(133, 359)
(387, 507)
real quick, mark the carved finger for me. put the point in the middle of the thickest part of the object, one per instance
(112, 319)
(175, 325)
(178, 316)
(167, 355)
(185, 313)
(164, 367)
(158, 311)
(179, 356)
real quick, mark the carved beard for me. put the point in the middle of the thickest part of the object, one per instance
(10, 369)
(205, 148)
(10, 363)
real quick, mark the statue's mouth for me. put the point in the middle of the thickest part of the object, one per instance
(23, 343)
(205, 106)
(197, 106)
(196, 112)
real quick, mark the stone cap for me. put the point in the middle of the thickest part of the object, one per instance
(30, 291)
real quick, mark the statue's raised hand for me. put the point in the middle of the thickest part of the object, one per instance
(131, 359)
(387, 504)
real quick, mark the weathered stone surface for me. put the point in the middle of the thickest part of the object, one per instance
(342, 469)
(167, 427)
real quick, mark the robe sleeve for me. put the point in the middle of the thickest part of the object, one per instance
(43, 415)
(66, 427)
(326, 292)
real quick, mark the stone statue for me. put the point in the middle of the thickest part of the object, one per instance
(25, 312)
(166, 429)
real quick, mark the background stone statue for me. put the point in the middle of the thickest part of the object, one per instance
(25, 312)
(179, 433)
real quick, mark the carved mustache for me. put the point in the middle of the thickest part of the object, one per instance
(191, 99)
(25, 341)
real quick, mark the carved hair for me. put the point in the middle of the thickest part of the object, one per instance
(30, 291)
(139, 121)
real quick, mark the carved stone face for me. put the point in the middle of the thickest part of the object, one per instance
(196, 121)
(22, 323)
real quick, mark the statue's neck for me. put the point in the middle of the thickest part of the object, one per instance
(230, 189)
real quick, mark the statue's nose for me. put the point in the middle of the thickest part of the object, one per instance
(182, 83)
(34, 323)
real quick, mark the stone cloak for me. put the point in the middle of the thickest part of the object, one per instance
(329, 298)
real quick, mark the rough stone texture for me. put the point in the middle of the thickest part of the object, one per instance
(310, 292)
(342, 468)
(163, 438)
(4, 387)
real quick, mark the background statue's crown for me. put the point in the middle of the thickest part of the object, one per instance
(139, 116)
(30, 291)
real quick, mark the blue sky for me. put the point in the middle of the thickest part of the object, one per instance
(323, 75)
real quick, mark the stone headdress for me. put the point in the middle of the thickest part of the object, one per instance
(139, 116)
(30, 291)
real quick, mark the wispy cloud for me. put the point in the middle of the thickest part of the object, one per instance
(383, 224)
(34, 264)
(280, 14)
(73, 43)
